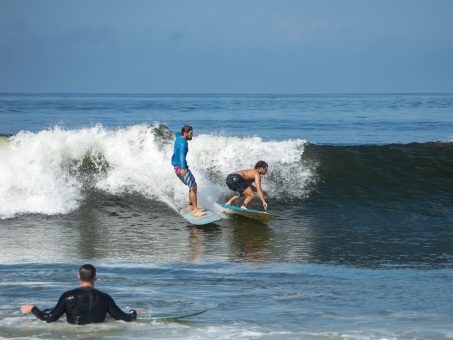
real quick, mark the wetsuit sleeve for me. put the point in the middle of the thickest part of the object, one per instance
(116, 313)
(54, 314)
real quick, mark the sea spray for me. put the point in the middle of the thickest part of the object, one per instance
(33, 179)
(50, 172)
(217, 156)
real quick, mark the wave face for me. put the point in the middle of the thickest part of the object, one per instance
(400, 173)
(54, 171)
(362, 205)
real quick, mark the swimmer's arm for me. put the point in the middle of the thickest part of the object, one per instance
(54, 314)
(116, 313)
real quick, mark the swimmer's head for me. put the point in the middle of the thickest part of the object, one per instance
(87, 273)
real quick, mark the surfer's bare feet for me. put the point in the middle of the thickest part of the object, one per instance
(244, 207)
(199, 213)
(191, 207)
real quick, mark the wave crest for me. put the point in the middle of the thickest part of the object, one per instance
(50, 172)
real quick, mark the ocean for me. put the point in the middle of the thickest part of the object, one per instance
(361, 185)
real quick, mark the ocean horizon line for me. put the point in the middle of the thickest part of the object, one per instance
(225, 93)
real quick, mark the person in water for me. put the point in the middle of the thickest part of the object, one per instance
(242, 182)
(83, 305)
(178, 160)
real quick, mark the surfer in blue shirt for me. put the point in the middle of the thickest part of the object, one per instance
(83, 305)
(178, 160)
(242, 182)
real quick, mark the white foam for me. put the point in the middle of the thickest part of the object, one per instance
(32, 179)
(43, 172)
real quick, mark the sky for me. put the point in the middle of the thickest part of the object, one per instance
(226, 46)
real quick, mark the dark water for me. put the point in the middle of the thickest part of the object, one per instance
(361, 186)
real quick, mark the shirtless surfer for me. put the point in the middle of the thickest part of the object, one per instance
(242, 182)
(178, 160)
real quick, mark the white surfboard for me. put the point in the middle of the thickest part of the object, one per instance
(210, 217)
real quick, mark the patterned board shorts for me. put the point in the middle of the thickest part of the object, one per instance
(188, 179)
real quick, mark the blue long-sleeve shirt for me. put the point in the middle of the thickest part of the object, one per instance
(180, 150)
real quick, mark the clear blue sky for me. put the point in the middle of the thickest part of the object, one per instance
(226, 46)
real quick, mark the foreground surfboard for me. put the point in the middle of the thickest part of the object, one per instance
(159, 316)
(210, 217)
(169, 316)
(249, 213)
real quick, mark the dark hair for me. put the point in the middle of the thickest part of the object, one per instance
(261, 164)
(87, 272)
(186, 129)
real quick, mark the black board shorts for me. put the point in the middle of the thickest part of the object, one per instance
(235, 182)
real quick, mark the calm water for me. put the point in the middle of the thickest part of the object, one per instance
(361, 184)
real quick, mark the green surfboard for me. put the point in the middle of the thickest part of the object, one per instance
(249, 213)
(169, 316)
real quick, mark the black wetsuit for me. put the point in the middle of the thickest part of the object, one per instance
(83, 306)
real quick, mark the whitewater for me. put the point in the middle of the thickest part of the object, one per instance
(360, 184)
(49, 171)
